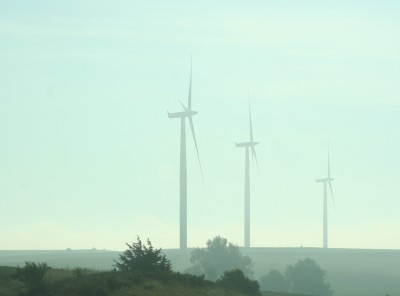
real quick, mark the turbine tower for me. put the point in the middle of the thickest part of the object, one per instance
(248, 145)
(327, 181)
(186, 113)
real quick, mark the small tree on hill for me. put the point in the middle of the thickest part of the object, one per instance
(274, 281)
(307, 277)
(33, 275)
(236, 280)
(218, 257)
(144, 259)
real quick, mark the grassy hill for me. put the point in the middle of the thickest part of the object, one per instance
(68, 282)
(351, 272)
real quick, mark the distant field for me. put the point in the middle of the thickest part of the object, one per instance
(351, 272)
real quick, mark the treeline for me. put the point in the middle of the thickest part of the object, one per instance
(304, 277)
(219, 269)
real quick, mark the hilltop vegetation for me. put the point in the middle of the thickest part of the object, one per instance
(218, 269)
(85, 282)
(141, 270)
(66, 282)
(375, 272)
(305, 277)
(219, 256)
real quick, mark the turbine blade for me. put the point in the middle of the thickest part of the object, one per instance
(195, 144)
(333, 198)
(190, 87)
(251, 126)
(253, 152)
(184, 107)
(329, 167)
(329, 180)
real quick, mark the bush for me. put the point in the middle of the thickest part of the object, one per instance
(143, 259)
(218, 257)
(307, 277)
(91, 284)
(32, 274)
(274, 281)
(188, 279)
(236, 280)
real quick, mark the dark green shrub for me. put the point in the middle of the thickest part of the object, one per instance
(187, 279)
(32, 274)
(307, 277)
(274, 281)
(236, 280)
(92, 284)
(143, 259)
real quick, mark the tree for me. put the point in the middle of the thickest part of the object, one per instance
(236, 280)
(33, 275)
(274, 281)
(307, 277)
(218, 257)
(144, 259)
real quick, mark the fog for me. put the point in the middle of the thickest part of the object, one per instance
(89, 157)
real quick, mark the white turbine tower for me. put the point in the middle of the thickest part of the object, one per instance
(187, 113)
(247, 145)
(327, 181)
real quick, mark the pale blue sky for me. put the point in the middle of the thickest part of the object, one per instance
(89, 158)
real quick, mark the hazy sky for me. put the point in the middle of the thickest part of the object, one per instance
(88, 157)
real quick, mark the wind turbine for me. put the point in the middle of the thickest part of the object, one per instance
(327, 181)
(186, 113)
(248, 145)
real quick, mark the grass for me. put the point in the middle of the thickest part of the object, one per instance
(8, 285)
(72, 282)
(351, 272)
(67, 282)
(266, 293)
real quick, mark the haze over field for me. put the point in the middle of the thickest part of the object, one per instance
(89, 157)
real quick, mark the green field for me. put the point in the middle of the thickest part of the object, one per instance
(67, 282)
(351, 272)
(63, 282)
